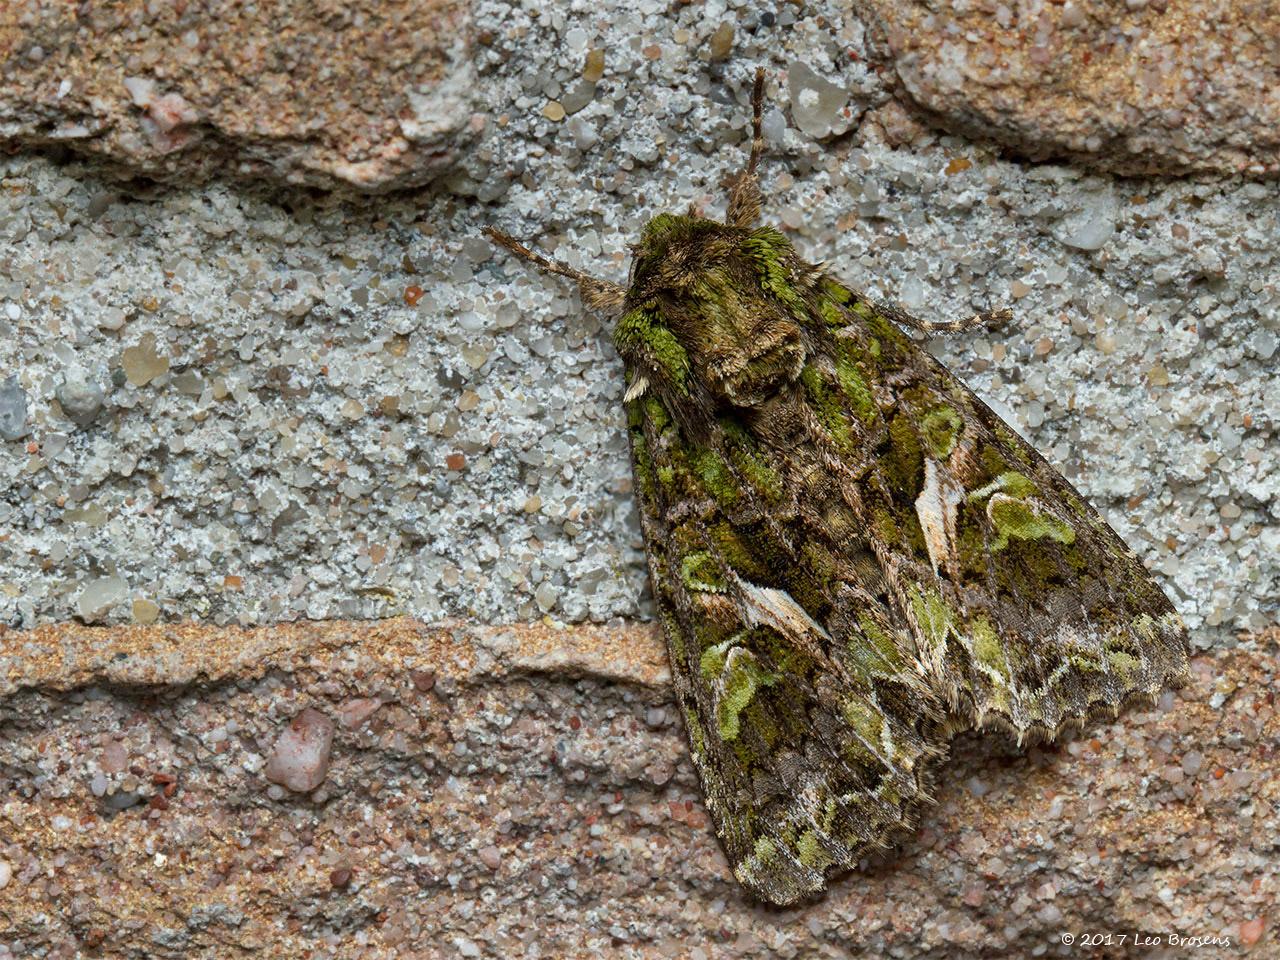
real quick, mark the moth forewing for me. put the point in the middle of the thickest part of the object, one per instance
(852, 557)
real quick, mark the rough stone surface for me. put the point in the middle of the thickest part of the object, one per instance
(372, 94)
(526, 792)
(1146, 86)
(321, 407)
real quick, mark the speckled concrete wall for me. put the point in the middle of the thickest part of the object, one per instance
(242, 404)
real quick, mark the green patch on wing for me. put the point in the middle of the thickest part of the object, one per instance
(699, 571)
(866, 720)
(711, 665)
(644, 471)
(717, 479)
(932, 614)
(992, 660)
(741, 678)
(1010, 482)
(854, 385)
(891, 347)
(874, 650)
(788, 660)
(641, 331)
(1084, 661)
(674, 633)
(836, 291)
(1123, 657)
(905, 461)
(1124, 665)
(768, 249)
(743, 557)
(1017, 514)
(746, 457)
(697, 739)
(826, 404)
(657, 414)
(939, 429)
(760, 865)
(811, 852)
(1025, 520)
(987, 649)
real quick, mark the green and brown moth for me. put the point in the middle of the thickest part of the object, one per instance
(852, 557)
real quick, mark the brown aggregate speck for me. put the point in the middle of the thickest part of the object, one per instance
(593, 68)
(340, 878)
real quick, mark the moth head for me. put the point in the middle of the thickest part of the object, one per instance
(712, 308)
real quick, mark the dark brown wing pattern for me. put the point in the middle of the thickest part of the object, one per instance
(852, 557)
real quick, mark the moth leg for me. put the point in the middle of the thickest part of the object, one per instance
(597, 294)
(985, 319)
(744, 195)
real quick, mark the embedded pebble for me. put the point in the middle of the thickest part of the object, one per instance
(299, 761)
(115, 757)
(80, 396)
(1262, 343)
(1251, 931)
(143, 362)
(122, 800)
(355, 712)
(593, 69)
(816, 103)
(1093, 224)
(547, 594)
(722, 42)
(13, 410)
(578, 97)
(145, 611)
(99, 597)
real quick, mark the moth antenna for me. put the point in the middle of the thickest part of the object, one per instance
(757, 122)
(744, 195)
(597, 294)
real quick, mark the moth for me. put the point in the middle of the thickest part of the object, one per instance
(852, 557)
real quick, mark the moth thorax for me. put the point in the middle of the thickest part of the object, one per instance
(748, 373)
